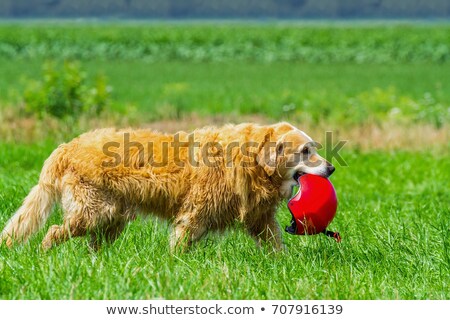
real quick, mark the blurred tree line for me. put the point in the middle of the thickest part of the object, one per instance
(334, 9)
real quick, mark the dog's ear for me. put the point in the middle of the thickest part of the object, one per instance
(268, 155)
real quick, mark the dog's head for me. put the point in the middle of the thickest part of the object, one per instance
(291, 154)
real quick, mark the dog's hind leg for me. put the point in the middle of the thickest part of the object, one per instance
(75, 222)
(187, 230)
(86, 210)
(112, 228)
(109, 233)
(58, 234)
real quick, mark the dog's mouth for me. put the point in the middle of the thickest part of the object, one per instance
(297, 175)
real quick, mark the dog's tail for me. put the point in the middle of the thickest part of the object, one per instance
(37, 206)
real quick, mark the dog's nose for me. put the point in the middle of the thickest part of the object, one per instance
(330, 169)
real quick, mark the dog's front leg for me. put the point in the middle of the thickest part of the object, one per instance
(267, 231)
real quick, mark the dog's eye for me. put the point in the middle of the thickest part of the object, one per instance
(305, 150)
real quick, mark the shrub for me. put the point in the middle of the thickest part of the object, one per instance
(63, 91)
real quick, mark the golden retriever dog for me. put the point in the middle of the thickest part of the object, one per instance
(201, 181)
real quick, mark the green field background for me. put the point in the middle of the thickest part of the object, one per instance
(393, 214)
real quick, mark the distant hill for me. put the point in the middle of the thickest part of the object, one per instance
(173, 9)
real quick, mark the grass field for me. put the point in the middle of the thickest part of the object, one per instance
(218, 42)
(394, 205)
(393, 216)
(340, 96)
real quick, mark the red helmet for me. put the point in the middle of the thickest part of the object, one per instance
(313, 207)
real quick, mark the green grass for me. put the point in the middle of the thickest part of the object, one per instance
(393, 216)
(340, 73)
(342, 93)
(313, 43)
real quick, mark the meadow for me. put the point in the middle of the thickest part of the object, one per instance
(385, 88)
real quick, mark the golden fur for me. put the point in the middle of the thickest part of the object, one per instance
(99, 195)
